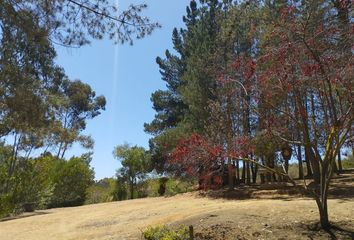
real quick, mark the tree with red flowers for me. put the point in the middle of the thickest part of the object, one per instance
(195, 156)
(306, 76)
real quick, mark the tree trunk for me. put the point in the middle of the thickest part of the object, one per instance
(64, 150)
(237, 172)
(286, 166)
(315, 167)
(243, 177)
(231, 174)
(340, 168)
(254, 168)
(335, 168)
(321, 189)
(132, 189)
(308, 164)
(321, 200)
(248, 173)
(299, 158)
(323, 211)
(59, 149)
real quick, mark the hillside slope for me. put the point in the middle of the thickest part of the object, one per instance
(126, 220)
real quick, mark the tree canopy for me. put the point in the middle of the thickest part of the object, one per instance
(135, 164)
(76, 22)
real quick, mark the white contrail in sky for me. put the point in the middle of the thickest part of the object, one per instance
(115, 80)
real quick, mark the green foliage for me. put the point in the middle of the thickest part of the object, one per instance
(173, 186)
(41, 109)
(191, 78)
(74, 103)
(164, 143)
(348, 162)
(75, 23)
(32, 182)
(166, 233)
(3, 170)
(44, 182)
(294, 170)
(121, 190)
(136, 162)
(6, 205)
(101, 191)
(71, 179)
(134, 159)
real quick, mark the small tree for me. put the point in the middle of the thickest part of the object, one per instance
(135, 164)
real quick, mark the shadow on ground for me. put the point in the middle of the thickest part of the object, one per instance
(338, 230)
(342, 188)
(24, 215)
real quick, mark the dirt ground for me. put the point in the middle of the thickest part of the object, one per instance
(278, 217)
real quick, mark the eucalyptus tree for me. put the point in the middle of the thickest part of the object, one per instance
(27, 77)
(73, 104)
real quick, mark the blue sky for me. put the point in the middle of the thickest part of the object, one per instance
(126, 75)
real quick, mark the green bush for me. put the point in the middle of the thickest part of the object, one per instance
(71, 180)
(166, 233)
(6, 205)
(152, 186)
(142, 189)
(32, 183)
(175, 186)
(348, 162)
(121, 190)
(101, 191)
(43, 182)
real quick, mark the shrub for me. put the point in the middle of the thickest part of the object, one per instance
(101, 191)
(32, 184)
(152, 186)
(175, 186)
(71, 179)
(348, 162)
(121, 190)
(142, 189)
(166, 233)
(6, 205)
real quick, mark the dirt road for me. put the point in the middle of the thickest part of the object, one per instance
(126, 220)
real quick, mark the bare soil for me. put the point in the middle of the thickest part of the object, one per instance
(273, 213)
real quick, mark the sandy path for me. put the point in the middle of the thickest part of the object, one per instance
(124, 220)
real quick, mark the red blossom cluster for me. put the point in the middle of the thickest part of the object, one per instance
(195, 156)
(310, 69)
(243, 147)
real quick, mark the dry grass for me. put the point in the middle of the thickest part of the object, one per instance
(282, 218)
